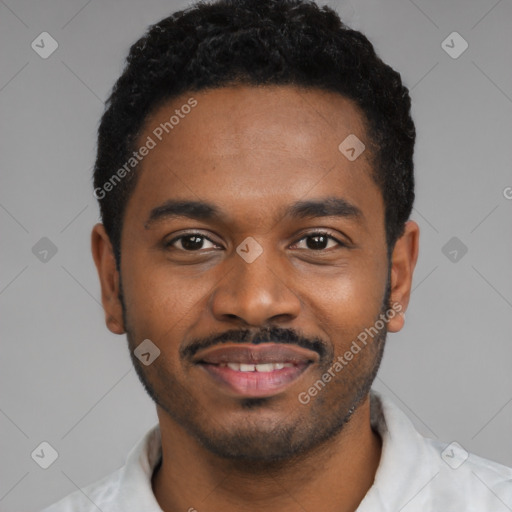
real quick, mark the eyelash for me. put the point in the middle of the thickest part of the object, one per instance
(309, 235)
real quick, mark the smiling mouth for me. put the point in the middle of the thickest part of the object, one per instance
(261, 367)
(247, 370)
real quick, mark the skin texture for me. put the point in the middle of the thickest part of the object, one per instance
(252, 152)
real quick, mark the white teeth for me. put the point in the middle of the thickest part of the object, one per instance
(263, 367)
(267, 367)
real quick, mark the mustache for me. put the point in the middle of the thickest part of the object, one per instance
(270, 335)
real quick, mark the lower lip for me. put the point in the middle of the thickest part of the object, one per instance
(255, 384)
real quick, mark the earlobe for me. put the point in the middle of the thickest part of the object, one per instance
(108, 274)
(403, 262)
(114, 326)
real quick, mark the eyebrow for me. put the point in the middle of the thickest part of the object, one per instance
(202, 210)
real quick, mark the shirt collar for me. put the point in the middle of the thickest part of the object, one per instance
(406, 464)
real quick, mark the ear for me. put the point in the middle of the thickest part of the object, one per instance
(403, 261)
(104, 259)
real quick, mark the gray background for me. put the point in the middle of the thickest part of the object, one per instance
(67, 380)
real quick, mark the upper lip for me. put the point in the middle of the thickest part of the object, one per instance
(255, 354)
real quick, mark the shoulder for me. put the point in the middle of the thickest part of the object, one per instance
(467, 479)
(98, 495)
(420, 473)
(127, 488)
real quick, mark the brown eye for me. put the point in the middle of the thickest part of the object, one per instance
(190, 243)
(319, 241)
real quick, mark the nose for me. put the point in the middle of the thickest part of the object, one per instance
(256, 293)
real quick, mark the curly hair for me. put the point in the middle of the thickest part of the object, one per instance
(258, 42)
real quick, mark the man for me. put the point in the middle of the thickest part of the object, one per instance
(255, 180)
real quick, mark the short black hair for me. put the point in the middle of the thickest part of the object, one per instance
(257, 42)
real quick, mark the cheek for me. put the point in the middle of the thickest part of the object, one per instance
(161, 300)
(346, 304)
(150, 294)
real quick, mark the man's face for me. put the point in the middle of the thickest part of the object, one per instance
(255, 273)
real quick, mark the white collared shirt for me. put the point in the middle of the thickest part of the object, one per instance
(415, 474)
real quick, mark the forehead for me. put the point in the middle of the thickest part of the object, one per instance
(231, 119)
(253, 148)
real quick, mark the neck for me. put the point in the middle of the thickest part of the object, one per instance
(333, 477)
